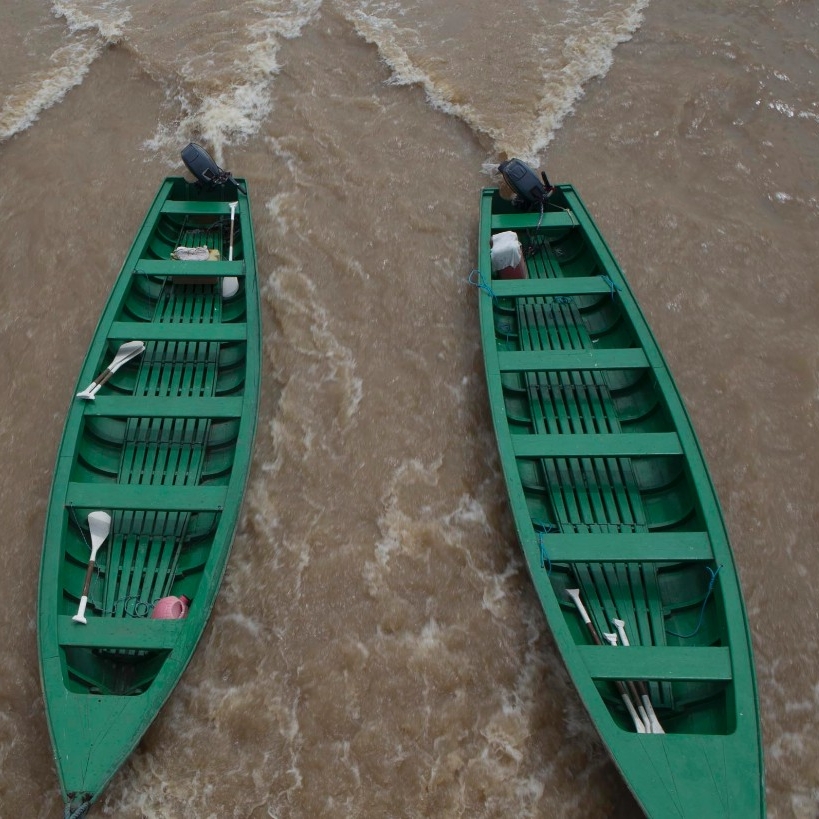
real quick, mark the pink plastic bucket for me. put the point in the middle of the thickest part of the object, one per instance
(171, 608)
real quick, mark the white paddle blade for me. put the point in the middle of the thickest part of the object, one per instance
(79, 617)
(644, 717)
(653, 722)
(638, 723)
(99, 524)
(230, 287)
(127, 351)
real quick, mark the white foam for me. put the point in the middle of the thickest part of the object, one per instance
(251, 626)
(468, 510)
(228, 103)
(277, 208)
(68, 66)
(782, 108)
(805, 805)
(395, 523)
(106, 19)
(309, 332)
(91, 28)
(590, 57)
(570, 52)
(379, 32)
(495, 589)
(790, 111)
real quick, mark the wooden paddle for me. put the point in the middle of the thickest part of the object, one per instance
(99, 524)
(653, 722)
(230, 284)
(621, 688)
(611, 639)
(127, 351)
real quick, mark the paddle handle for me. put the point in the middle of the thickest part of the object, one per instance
(89, 572)
(94, 387)
(639, 725)
(108, 372)
(101, 379)
(233, 206)
(584, 615)
(79, 617)
(90, 392)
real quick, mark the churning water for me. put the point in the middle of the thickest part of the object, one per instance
(377, 649)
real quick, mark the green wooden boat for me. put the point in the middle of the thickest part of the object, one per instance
(617, 515)
(149, 481)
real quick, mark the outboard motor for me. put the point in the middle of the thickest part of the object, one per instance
(525, 184)
(200, 163)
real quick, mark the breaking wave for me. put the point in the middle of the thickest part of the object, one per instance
(218, 75)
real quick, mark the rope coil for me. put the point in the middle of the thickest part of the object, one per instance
(78, 812)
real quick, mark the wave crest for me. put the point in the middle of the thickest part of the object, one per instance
(539, 60)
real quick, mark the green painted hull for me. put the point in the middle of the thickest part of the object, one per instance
(165, 449)
(611, 496)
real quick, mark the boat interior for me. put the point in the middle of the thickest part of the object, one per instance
(162, 471)
(598, 466)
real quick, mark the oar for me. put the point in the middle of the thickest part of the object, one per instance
(230, 284)
(621, 688)
(632, 690)
(653, 722)
(99, 524)
(129, 350)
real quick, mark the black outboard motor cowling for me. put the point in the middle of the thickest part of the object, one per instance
(525, 183)
(200, 163)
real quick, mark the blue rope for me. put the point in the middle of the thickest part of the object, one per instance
(544, 557)
(612, 286)
(138, 608)
(507, 330)
(702, 608)
(476, 279)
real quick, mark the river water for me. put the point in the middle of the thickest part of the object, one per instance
(377, 649)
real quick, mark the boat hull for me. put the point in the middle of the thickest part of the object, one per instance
(164, 450)
(611, 496)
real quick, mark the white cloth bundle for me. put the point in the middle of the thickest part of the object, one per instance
(506, 250)
(195, 254)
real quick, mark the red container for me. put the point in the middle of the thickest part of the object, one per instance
(507, 256)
